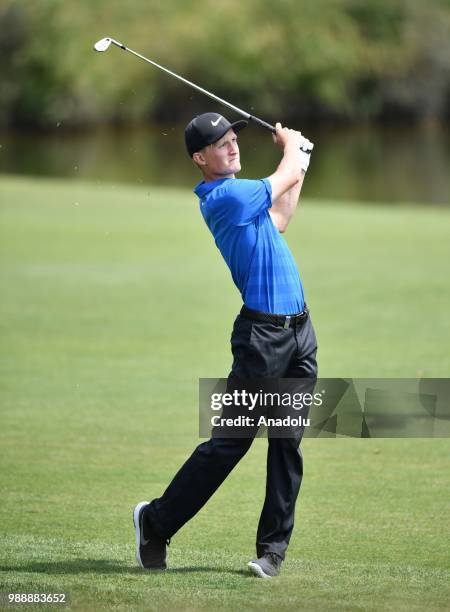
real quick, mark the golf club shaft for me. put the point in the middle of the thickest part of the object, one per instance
(244, 114)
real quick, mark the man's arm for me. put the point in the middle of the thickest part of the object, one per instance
(287, 181)
(284, 207)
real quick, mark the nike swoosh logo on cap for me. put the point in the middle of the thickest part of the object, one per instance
(215, 123)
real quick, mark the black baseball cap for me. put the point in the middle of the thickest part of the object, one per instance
(206, 129)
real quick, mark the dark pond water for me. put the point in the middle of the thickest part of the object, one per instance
(366, 163)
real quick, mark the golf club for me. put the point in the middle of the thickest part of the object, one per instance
(104, 44)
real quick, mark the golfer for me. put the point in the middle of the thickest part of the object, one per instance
(272, 337)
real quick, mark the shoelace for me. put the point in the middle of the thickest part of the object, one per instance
(276, 560)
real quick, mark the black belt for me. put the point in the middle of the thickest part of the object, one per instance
(285, 321)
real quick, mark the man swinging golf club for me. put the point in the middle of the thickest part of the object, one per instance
(272, 337)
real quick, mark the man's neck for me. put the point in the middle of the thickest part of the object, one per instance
(208, 178)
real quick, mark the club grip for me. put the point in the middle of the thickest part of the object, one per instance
(267, 126)
(262, 123)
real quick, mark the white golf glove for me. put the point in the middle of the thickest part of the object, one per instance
(306, 146)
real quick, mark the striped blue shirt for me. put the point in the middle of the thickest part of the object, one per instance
(237, 213)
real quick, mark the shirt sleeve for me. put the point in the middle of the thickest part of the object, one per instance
(247, 199)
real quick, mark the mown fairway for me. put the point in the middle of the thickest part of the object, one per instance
(114, 302)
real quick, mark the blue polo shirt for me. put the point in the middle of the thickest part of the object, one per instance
(237, 213)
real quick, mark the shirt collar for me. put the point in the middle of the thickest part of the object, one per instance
(202, 188)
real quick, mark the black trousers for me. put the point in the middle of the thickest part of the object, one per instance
(260, 350)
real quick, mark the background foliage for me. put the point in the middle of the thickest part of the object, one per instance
(317, 58)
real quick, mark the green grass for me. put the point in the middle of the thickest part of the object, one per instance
(114, 302)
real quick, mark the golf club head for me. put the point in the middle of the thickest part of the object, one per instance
(103, 44)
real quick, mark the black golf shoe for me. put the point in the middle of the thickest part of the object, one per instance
(151, 548)
(266, 566)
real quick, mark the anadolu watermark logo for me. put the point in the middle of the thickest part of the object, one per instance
(241, 400)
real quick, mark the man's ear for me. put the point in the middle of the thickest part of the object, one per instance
(199, 159)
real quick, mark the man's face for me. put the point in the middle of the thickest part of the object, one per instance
(222, 157)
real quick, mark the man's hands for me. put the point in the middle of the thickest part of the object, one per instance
(284, 137)
(287, 140)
